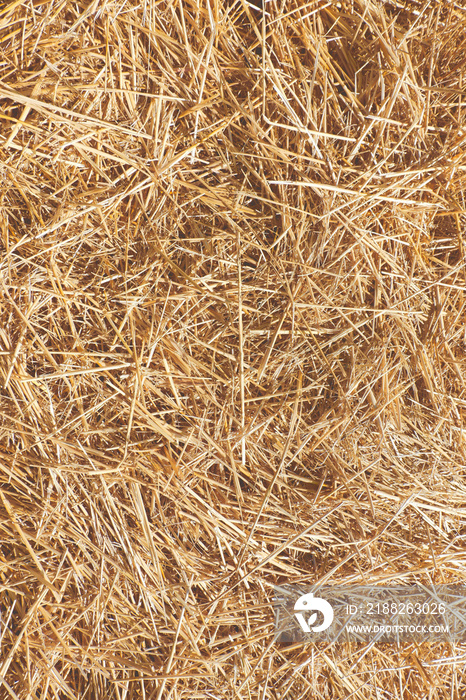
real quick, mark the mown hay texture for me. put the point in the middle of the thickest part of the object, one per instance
(232, 339)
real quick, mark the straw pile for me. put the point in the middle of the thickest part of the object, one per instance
(232, 339)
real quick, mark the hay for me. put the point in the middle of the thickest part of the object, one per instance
(232, 339)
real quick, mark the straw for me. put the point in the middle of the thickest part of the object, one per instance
(232, 339)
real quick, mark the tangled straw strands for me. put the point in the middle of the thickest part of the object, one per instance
(232, 339)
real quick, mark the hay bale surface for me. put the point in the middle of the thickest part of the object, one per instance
(232, 339)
